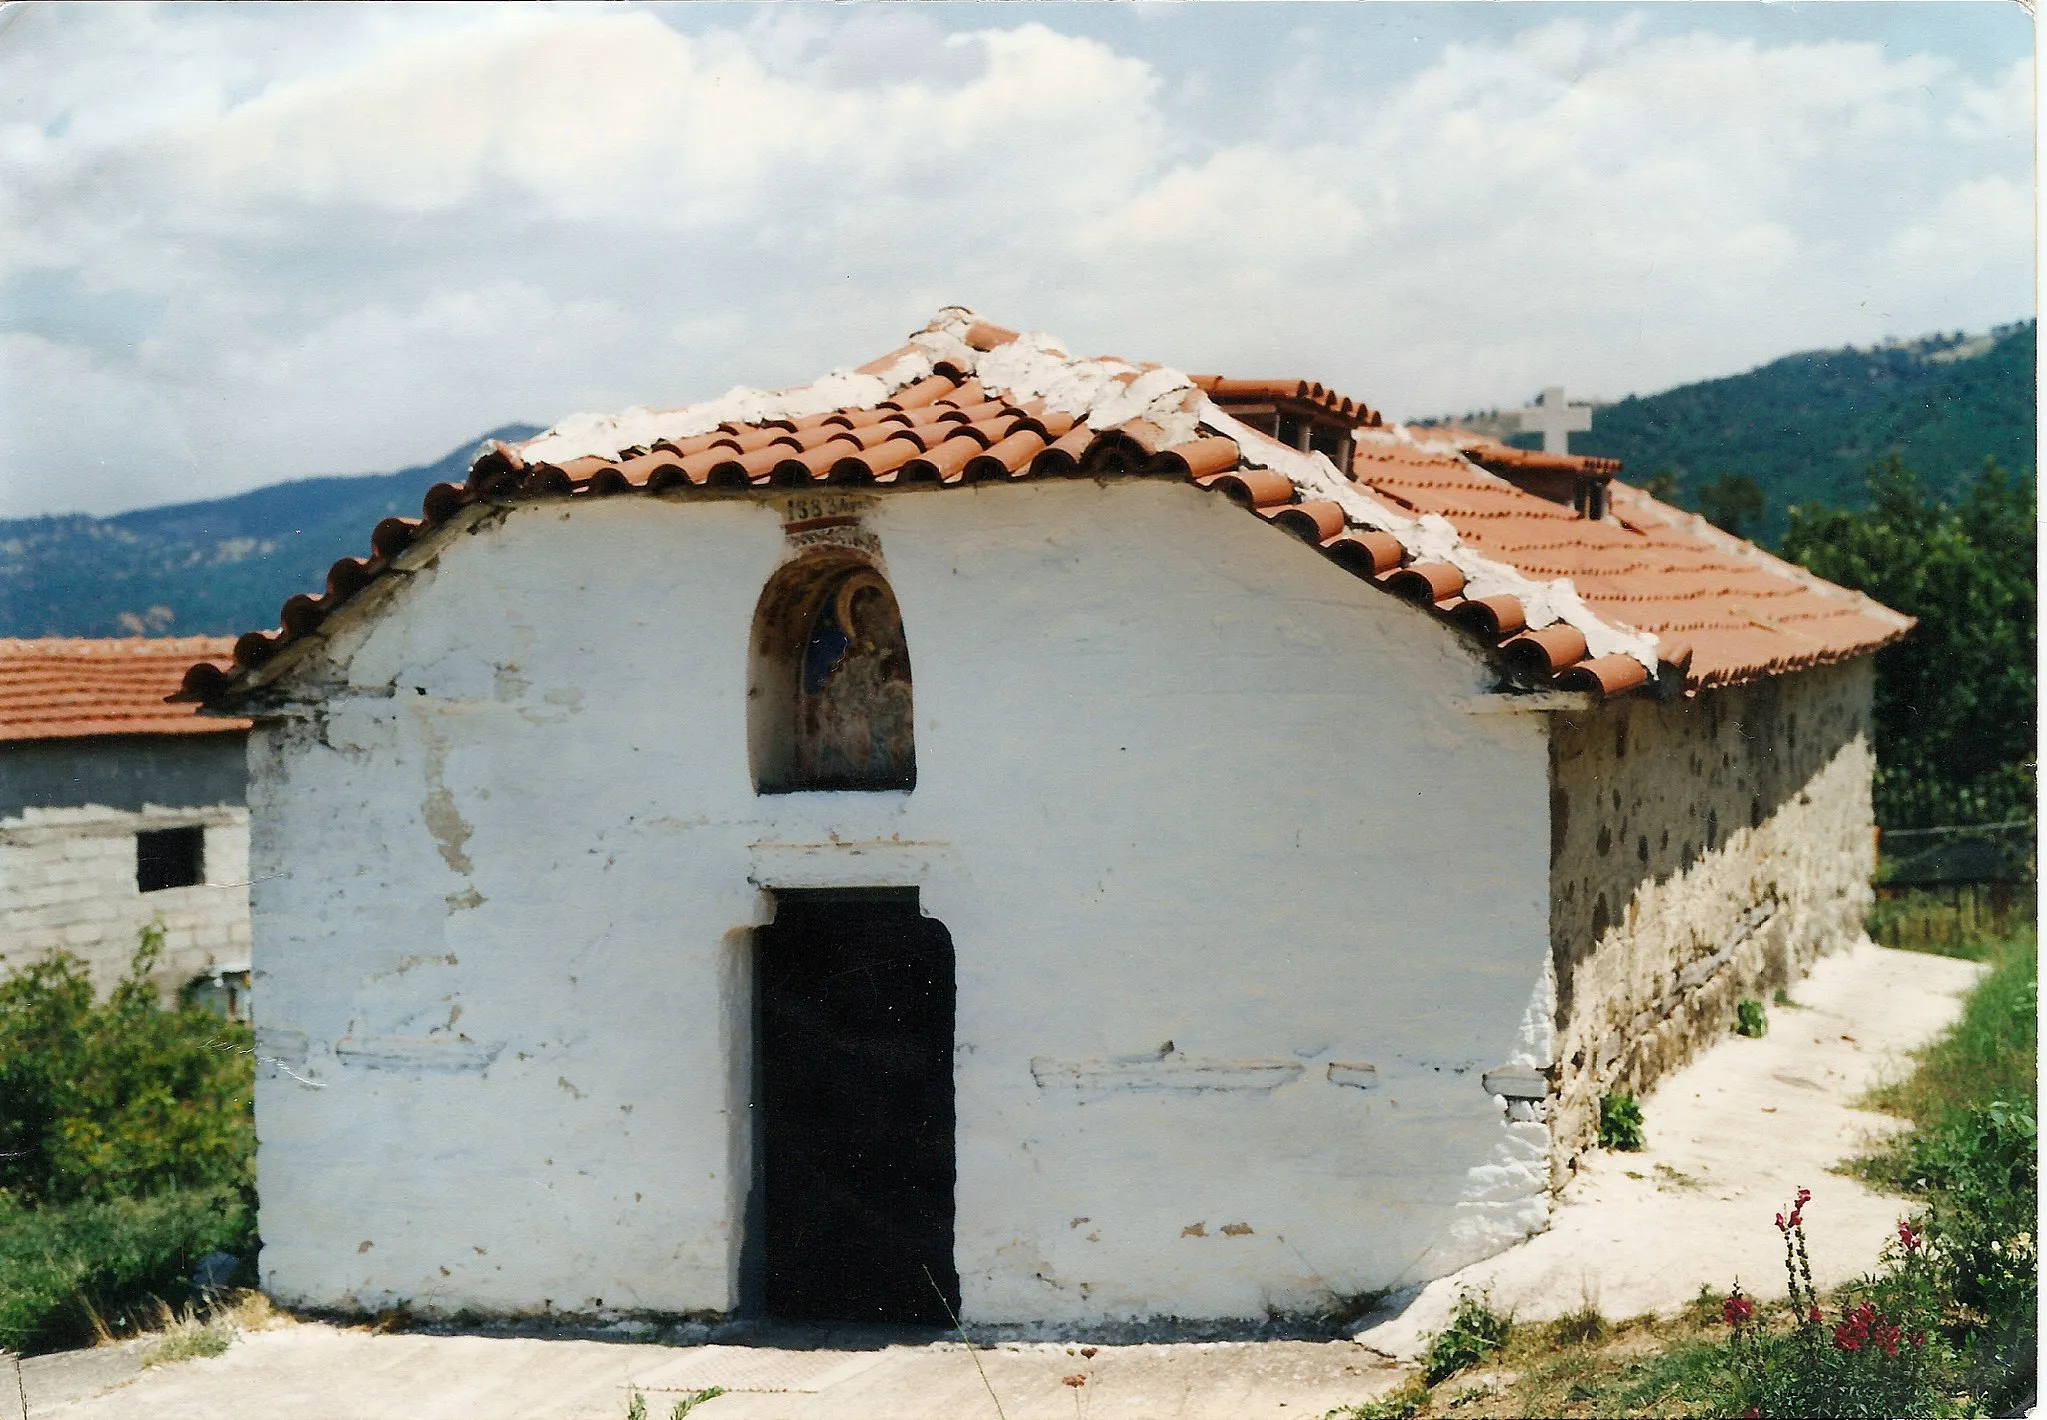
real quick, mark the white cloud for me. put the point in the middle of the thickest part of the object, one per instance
(346, 238)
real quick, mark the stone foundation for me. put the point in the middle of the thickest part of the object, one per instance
(1702, 852)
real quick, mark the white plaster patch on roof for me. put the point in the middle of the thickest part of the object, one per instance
(1034, 366)
(1098, 392)
(944, 341)
(1432, 538)
(603, 435)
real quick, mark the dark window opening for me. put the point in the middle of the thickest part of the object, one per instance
(170, 858)
(851, 1217)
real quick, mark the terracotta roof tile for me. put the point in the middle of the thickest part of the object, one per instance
(60, 688)
(1648, 586)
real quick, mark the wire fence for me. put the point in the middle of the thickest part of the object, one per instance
(1944, 889)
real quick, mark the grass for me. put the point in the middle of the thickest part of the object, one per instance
(1991, 1050)
(1580, 1365)
(188, 1335)
(636, 1403)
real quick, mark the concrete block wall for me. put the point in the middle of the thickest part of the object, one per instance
(67, 883)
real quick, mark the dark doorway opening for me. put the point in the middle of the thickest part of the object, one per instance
(853, 1110)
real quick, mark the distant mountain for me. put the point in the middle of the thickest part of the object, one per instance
(1806, 427)
(219, 567)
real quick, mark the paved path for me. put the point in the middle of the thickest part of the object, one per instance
(1729, 1138)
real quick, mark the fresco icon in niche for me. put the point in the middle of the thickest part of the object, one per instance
(830, 699)
(853, 728)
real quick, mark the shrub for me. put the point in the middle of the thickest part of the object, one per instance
(127, 1148)
(1620, 1121)
(119, 1098)
(68, 1270)
(1749, 1019)
(1980, 1174)
(1475, 1332)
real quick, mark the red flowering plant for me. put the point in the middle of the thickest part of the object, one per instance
(1882, 1357)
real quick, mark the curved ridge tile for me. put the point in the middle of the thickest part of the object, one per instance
(1425, 582)
(1606, 675)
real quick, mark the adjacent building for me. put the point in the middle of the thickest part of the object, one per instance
(118, 811)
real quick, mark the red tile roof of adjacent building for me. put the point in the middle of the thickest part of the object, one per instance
(61, 688)
(1646, 595)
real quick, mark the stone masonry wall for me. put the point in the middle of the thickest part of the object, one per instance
(1702, 851)
(67, 883)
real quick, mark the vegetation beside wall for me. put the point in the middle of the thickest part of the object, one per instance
(127, 1149)
(1956, 701)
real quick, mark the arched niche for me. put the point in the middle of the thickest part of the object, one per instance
(828, 695)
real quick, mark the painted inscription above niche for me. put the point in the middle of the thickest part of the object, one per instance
(814, 520)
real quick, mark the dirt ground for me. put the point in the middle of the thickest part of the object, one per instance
(1729, 1138)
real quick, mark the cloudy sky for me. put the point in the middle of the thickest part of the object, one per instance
(246, 243)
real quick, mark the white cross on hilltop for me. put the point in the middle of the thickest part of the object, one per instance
(1556, 420)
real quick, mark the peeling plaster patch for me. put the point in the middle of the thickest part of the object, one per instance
(463, 901)
(1194, 1230)
(1236, 1230)
(562, 1082)
(1357, 1077)
(450, 830)
(1177, 1074)
(418, 1052)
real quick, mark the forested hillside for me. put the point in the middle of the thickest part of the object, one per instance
(220, 567)
(1807, 428)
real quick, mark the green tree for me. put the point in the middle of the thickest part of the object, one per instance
(1661, 485)
(1956, 701)
(1733, 502)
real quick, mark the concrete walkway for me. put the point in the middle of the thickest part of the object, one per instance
(1730, 1137)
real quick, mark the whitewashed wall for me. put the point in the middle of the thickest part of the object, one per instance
(67, 884)
(1179, 779)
